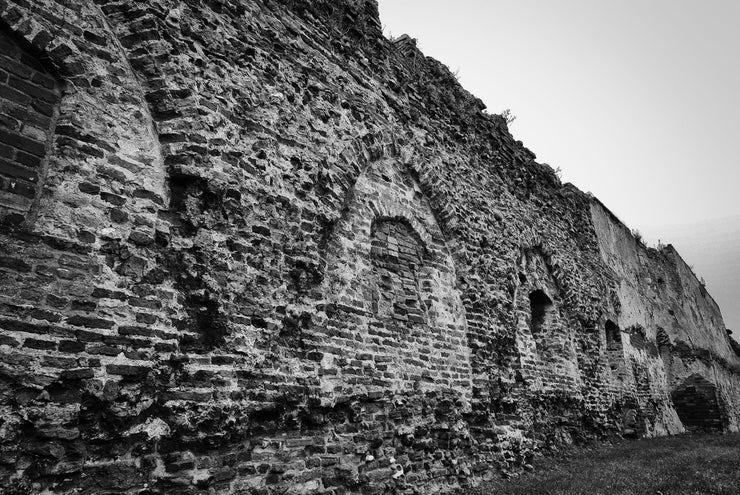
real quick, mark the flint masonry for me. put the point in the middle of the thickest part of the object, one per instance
(254, 247)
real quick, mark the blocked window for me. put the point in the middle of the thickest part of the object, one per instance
(29, 100)
(397, 256)
(614, 346)
(541, 307)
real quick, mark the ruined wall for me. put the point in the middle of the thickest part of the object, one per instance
(672, 329)
(255, 247)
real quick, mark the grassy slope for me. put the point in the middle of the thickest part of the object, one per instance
(680, 465)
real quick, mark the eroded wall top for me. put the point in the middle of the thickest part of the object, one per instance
(272, 250)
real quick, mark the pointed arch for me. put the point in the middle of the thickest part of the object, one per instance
(545, 337)
(103, 122)
(390, 273)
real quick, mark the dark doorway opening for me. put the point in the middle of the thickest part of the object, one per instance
(541, 306)
(698, 405)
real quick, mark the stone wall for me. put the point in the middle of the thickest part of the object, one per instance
(671, 327)
(270, 251)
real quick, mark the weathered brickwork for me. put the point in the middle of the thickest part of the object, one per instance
(267, 250)
(698, 405)
(614, 348)
(396, 311)
(29, 97)
(546, 333)
(397, 257)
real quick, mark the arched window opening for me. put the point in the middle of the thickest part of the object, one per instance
(397, 255)
(698, 405)
(29, 101)
(541, 306)
(614, 347)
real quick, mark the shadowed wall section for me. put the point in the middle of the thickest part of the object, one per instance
(698, 405)
(73, 258)
(614, 347)
(29, 105)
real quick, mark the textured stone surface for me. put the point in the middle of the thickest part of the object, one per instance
(271, 251)
(29, 97)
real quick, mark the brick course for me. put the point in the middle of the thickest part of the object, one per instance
(29, 94)
(274, 252)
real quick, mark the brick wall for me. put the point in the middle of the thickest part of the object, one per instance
(396, 320)
(698, 406)
(614, 347)
(546, 337)
(29, 101)
(397, 258)
(197, 305)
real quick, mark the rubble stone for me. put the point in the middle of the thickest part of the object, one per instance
(255, 247)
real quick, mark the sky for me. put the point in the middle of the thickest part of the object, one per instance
(636, 101)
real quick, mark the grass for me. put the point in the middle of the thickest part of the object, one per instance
(681, 465)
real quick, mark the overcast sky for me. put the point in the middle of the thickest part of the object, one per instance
(637, 101)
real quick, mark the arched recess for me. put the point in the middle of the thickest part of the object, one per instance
(698, 405)
(543, 312)
(396, 319)
(30, 93)
(614, 347)
(545, 335)
(104, 162)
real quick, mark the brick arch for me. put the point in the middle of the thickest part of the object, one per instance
(544, 335)
(392, 290)
(360, 154)
(388, 207)
(537, 247)
(103, 123)
(410, 224)
(394, 213)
